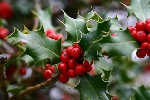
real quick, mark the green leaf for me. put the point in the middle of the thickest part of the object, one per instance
(90, 41)
(28, 59)
(141, 93)
(45, 18)
(94, 16)
(140, 8)
(74, 27)
(120, 45)
(14, 90)
(92, 88)
(38, 46)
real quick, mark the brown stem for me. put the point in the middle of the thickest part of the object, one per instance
(31, 89)
(3, 85)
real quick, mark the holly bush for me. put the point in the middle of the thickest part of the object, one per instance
(94, 55)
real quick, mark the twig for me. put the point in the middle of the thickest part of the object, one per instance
(31, 89)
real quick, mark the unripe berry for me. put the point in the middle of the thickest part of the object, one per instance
(80, 69)
(72, 73)
(140, 26)
(63, 78)
(62, 67)
(141, 36)
(64, 57)
(72, 63)
(3, 32)
(47, 74)
(22, 71)
(5, 10)
(75, 53)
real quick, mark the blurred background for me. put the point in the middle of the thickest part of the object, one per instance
(23, 16)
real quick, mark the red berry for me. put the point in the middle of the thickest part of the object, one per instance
(63, 78)
(134, 34)
(72, 73)
(47, 66)
(64, 57)
(141, 36)
(80, 69)
(75, 53)
(62, 67)
(148, 38)
(141, 53)
(77, 46)
(86, 63)
(114, 98)
(69, 50)
(88, 69)
(22, 71)
(5, 10)
(140, 26)
(131, 28)
(148, 27)
(3, 32)
(147, 21)
(49, 32)
(64, 51)
(47, 74)
(144, 46)
(72, 63)
(58, 36)
(52, 68)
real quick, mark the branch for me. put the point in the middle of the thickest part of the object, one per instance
(31, 89)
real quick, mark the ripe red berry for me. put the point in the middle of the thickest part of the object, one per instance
(148, 38)
(64, 57)
(88, 69)
(47, 66)
(147, 21)
(148, 27)
(80, 69)
(75, 53)
(47, 74)
(72, 73)
(52, 68)
(22, 71)
(141, 53)
(72, 63)
(140, 26)
(86, 63)
(144, 46)
(63, 78)
(5, 10)
(134, 34)
(62, 67)
(77, 46)
(49, 32)
(69, 50)
(114, 98)
(141, 36)
(58, 36)
(131, 28)
(3, 32)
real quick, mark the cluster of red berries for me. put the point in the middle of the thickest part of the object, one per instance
(3, 32)
(49, 70)
(72, 63)
(5, 10)
(141, 32)
(51, 34)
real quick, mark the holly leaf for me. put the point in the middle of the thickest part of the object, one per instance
(92, 88)
(90, 41)
(93, 16)
(140, 8)
(45, 18)
(122, 44)
(14, 90)
(38, 46)
(74, 27)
